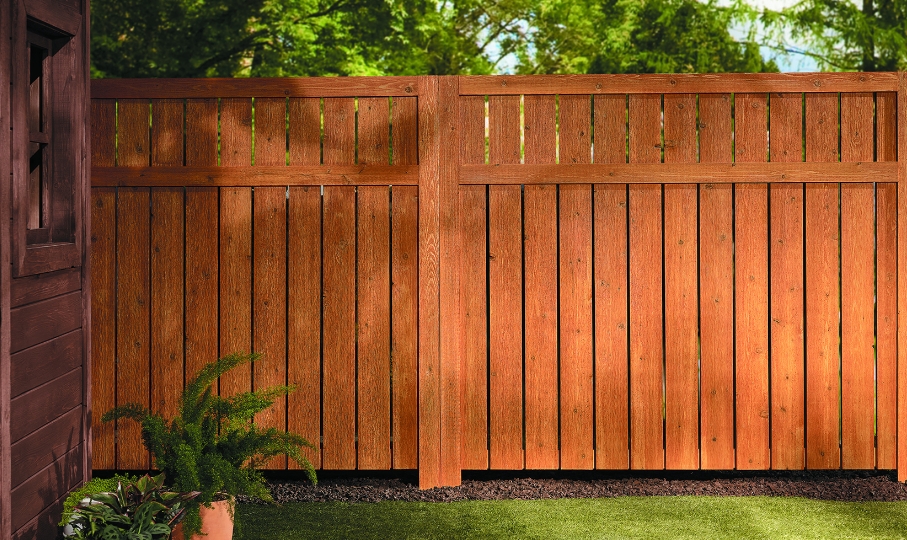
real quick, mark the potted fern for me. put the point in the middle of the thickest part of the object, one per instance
(212, 446)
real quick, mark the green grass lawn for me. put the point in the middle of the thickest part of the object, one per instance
(622, 517)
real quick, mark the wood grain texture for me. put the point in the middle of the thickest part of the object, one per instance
(902, 278)
(269, 309)
(716, 300)
(42, 489)
(473, 303)
(575, 129)
(681, 290)
(103, 132)
(167, 132)
(167, 340)
(26, 290)
(32, 410)
(305, 131)
(38, 450)
(610, 128)
(886, 126)
(201, 132)
(235, 297)
(505, 283)
(404, 131)
(886, 326)
(646, 322)
(133, 148)
(304, 318)
(751, 326)
(201, 279)
(271, 131)
(339, 323)
(822, 290)
(37, 365)
(103, 312)
(42, 321)
(610, 283)
(373, 327)
(404, 326)
(247, 176)
(858, 287)
(787, 300)
(676, 83)
(751, 128)
(541, 290)
(576, 361)
(280, 87)
(374, 130)
(339, 131)
(132, 320)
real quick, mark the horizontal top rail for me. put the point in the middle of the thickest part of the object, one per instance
(249, 88)
(712, 83)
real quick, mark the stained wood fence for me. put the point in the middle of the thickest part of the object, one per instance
(553, 272)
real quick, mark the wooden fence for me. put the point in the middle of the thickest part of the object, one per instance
(552, 272)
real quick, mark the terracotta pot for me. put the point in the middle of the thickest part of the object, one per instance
(217, 523)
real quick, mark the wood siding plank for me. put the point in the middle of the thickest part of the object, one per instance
(339, 323)
(42, 321)
(681, 290)
(505, 283)
(26, 290)
(646, 322)
(42, 490)
(541, 299)
(751, 288)
(787, 300)
(404, 323)
(38, 450)
(41, 406)
(133, 280)
(269, 296)
(610, 280)
(37, 365)
(822, 290)
(373, 324)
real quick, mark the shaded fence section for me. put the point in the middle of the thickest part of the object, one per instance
(565, 272)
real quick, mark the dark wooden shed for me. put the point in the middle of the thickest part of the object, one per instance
(45, 447)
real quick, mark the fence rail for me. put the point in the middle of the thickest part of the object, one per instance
(553, 272)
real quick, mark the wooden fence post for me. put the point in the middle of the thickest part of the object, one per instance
(429, 280)
(902, 277)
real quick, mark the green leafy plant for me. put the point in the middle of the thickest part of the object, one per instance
(212, 445)
(139, 510)
(95, 485)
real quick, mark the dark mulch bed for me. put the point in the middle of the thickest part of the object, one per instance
(834, 486)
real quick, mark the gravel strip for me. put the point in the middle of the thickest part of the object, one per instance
(833, 486)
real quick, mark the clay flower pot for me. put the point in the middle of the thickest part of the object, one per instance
(217, 522)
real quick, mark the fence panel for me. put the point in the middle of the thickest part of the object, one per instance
(666, 272)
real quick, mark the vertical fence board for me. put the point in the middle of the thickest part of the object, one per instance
(858, 346)
(269, 297)
(374, 131)
(270, 131)
(540, 245)
(132, 133)
(133, 302)
(902, 278)
(339, 323)
(505, 263)
(646, 322)
(236, 245)
(103, 274)
(822, 290)
(610, 289)
(751, 326)
(576, 389)
(473, 304)
(786, 302)
(404, 118)
(305, 131)
(167, 132)
(575, 224)
(167, 207)
(681, 291)
(886, 325)
(201, 279)
(304, 315)
(886, 285)
(373, 327)
(404, 323)
(751, 289)
(339, 131)
(716, 284)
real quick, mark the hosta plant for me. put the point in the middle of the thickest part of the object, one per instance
(212, 445)
(141, 510)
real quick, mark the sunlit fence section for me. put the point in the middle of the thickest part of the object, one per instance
(549, 272)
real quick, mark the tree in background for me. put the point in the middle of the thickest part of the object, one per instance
(841, 35)
(273, 38)
(634, 36)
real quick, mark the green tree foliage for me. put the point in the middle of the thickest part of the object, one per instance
(841, 35)
(225, 38)
(637, 36)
